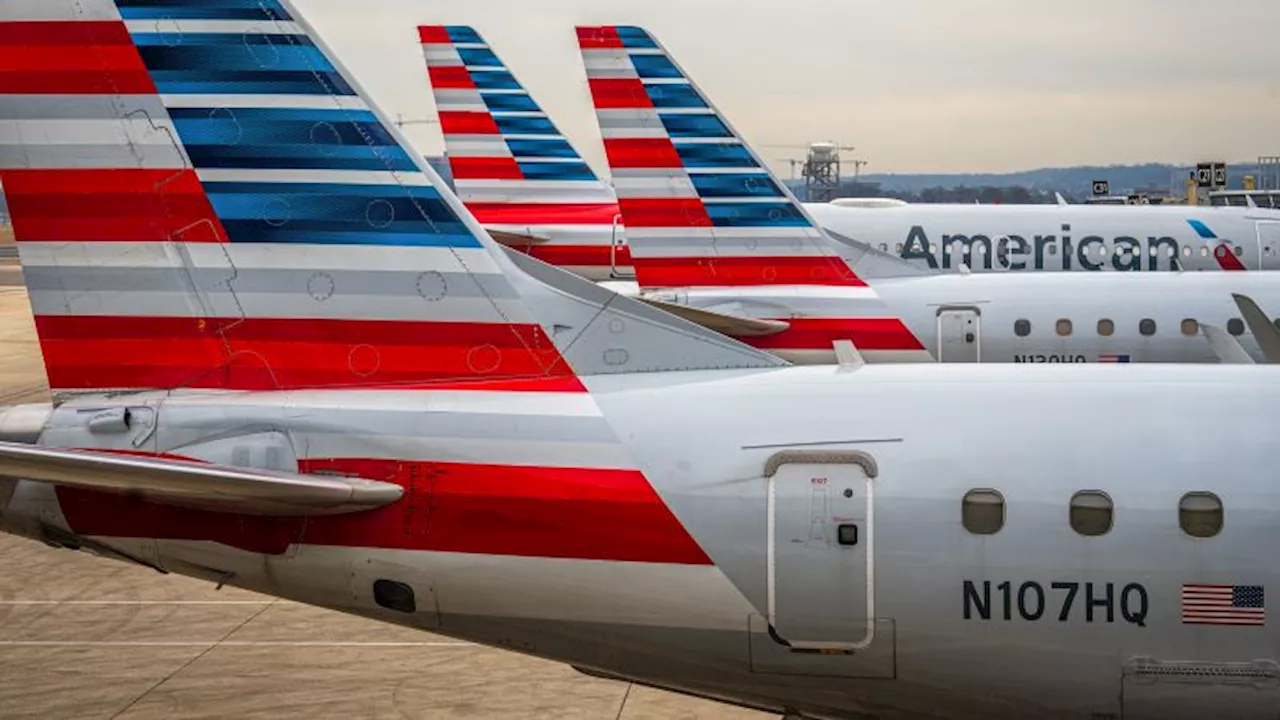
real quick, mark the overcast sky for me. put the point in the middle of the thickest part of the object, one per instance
(916, 85)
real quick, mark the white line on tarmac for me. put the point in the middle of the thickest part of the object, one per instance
(227, 643)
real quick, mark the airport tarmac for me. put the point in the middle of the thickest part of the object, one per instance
(82, 637)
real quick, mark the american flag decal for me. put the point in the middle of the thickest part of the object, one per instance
(1112, 358)
(1223, 605)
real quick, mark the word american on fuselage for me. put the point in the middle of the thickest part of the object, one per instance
(1041, 252)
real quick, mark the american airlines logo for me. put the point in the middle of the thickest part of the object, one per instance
(1041, 252)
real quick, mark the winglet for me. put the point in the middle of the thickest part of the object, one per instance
(1227, 348)
(847, 355)
(1267, 334)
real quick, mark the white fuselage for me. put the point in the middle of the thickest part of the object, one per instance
(1061, 237)
(1076, 317)
(924, 616)
(1018, 317)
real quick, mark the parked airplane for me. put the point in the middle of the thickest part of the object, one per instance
(713, 230)
(288, 359)
(523, 180)
(1147, 238)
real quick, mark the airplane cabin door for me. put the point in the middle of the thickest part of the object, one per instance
(959, 335)
(620, 267)
(820, 614)
(1269, 244)
(821, 584)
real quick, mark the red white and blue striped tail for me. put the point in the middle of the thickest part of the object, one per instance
(202, 197)
(512, 167)
(700, 207)
(704, 213)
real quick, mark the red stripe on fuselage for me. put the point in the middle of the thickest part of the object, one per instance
(109, 205)
(819, 333)
(496, 213)
(730, 271)
(83, 352)
(71, 57)
(555, 384)
(581, 255)
(580, 513)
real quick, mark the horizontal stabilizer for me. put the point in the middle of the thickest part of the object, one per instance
(731, 325)
(1267, 335)
(517, 239)
(196, 485)
(1226, 347)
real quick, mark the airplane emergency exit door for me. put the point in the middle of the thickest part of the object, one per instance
(821, 584)
(820, 616)
(959, 335)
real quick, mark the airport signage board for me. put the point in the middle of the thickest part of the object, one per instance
(1211, 175)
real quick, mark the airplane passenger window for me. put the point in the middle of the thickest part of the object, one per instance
(1204, 252)
(1022, 328)
(1063, 327)
(1186, 251)
(1147, 327)
(1235, 326)
(1200, 514)
(982, 512)
(1239, 250)
(1190, 327)
(1106, 328)
(1091, 512)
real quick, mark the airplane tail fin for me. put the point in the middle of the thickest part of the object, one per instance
(203, 197)
(701, 208)
(512, 167)
(704, 212)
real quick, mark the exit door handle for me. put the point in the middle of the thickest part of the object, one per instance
(847, 534)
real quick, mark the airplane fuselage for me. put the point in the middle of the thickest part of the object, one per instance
(1091, 238)
(1018, 317)
(804, 542)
